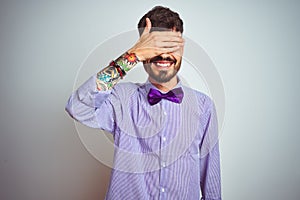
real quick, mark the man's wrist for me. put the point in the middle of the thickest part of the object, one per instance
(127, 61)
(136, 53)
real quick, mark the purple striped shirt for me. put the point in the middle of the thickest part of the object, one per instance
(164, 151)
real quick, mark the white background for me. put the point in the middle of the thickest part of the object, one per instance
(254, 45)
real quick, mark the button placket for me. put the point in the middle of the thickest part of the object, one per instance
(163, 169)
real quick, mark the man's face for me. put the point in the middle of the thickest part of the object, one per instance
(164, 67)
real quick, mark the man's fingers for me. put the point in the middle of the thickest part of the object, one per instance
(178, 52)
(159, 38)
(169, 44)
(168, 39)
(175, 49)
(148, 26)
(166, 33)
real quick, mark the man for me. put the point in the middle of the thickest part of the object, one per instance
(165, 134)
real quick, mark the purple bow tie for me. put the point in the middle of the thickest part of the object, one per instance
(175, 95)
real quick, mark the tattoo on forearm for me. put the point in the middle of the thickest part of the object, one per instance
(127, 61)
(109, 76)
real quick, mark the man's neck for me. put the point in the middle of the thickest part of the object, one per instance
(165, 87)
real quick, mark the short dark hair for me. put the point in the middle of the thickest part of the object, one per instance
(161, 17)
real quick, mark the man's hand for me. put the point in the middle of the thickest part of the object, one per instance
(157, 42)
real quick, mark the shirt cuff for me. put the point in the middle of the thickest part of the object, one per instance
(88, 93)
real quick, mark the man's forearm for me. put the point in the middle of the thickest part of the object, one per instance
(111, 75)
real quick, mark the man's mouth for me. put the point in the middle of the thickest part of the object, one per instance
(163, 63)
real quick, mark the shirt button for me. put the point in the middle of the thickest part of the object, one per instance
(163, 164)
(162, 189)
(164, 139)
(165, 113)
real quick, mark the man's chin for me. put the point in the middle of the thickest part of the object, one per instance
(163, 76)
(160, 74)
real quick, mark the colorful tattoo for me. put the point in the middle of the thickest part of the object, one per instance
(109, 76)
(127, 61)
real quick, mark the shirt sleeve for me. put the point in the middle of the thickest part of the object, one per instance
(210, 179)
(91, 107)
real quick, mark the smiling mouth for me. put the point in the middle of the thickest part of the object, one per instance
(163, 63)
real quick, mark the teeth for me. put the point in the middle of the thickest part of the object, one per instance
(163, 64)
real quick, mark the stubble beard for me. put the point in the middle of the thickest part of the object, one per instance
(162, 76)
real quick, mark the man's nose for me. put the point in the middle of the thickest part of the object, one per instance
(167, 55)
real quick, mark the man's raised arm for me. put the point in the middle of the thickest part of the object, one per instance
(85, 102)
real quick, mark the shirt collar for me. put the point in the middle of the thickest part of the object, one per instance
(149, 85)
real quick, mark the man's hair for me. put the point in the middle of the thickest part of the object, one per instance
(161, 17)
